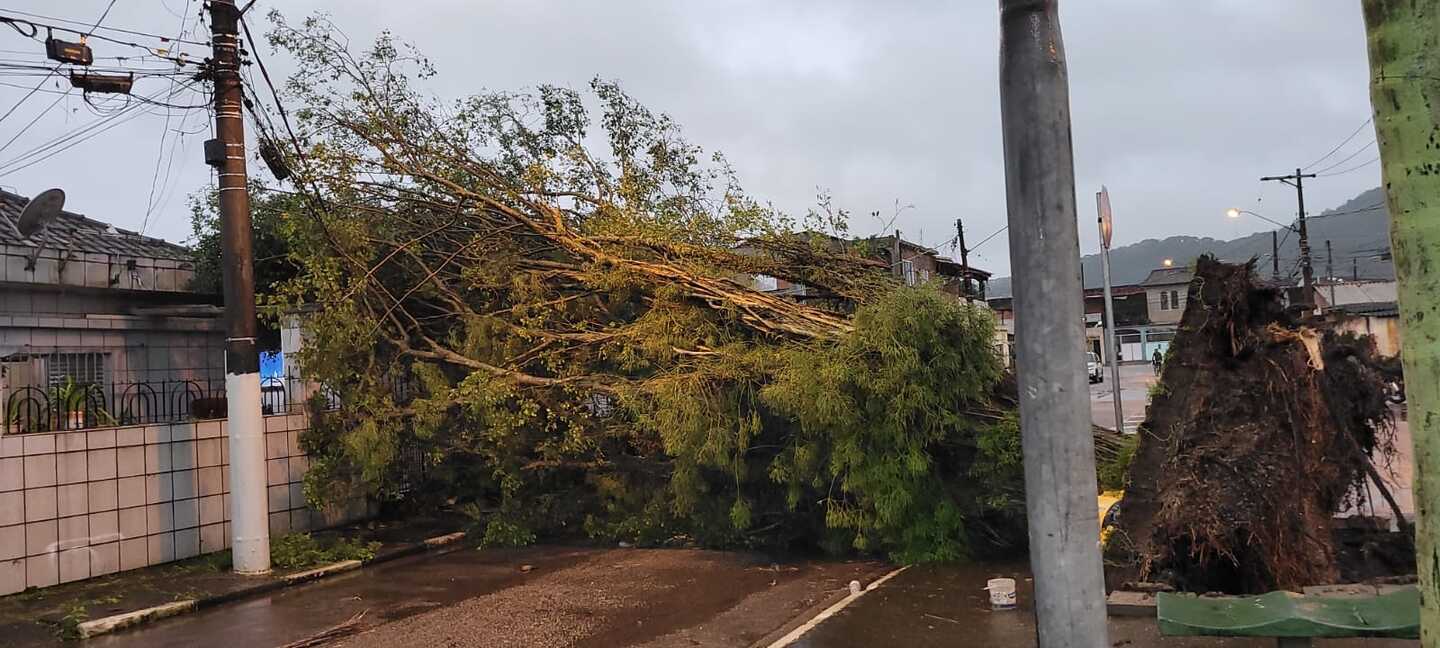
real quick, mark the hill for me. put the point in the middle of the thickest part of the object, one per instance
(1359, 232)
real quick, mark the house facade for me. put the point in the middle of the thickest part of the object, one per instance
(103, 318)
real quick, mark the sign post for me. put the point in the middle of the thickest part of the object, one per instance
(1102, 200)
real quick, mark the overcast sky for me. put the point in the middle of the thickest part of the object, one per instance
(1178, 107)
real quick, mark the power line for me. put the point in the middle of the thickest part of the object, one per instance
(1340, 145)
(28, 94)
(987, 239)
(102, 18)
(132, 32)
(1354, 168)
(150, 202)
(1347, 158)
(26, 127)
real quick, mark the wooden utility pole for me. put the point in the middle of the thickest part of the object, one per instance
(964, 259)
(1059, 452)
(249, 514)
(1275, 255)
(1297, 180)
(1404, 46)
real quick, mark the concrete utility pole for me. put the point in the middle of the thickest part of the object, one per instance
(249, 517)
(1297, 180)
(1059, 452)
(1404, 45)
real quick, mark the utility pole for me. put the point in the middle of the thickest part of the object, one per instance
(1330, 270)
(1297, 180)
(1275, 255)
(964, 259)
(249, 515)
(1059, 452)
(1355, 268)
(1404, 49)
(897, 266)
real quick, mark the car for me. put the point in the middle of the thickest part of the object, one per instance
(1094, 368)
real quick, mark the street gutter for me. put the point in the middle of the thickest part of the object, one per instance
(106, 625)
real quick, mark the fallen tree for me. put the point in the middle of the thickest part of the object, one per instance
(1258, 431)
(568, 342)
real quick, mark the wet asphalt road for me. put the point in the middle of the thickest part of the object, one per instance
(943, 606)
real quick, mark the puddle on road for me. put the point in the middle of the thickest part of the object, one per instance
(385, 592)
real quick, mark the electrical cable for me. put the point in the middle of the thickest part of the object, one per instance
(1353, 168)
(77, 22)
(1347, 158)
(61, 96)
(28, 94)
(150, 202)
(986, 239)
(1340, 145)
(101, 19)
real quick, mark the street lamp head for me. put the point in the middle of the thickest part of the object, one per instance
(1168, 262)
(1233, 212)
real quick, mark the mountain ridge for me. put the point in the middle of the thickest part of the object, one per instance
(1358, 229)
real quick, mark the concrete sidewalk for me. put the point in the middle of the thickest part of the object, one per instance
(935, 606)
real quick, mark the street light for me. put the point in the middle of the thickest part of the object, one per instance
(1168, 262)
(1235, 212)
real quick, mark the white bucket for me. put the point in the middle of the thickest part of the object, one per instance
(1002, 593)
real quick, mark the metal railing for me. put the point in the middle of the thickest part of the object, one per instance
(77, 406)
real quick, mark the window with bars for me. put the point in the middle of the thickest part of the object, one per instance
(83, 368)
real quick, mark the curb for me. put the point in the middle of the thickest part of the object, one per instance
(804, 628)
(106, 625)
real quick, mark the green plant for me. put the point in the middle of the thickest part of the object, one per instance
(1112, 473)
(69, 626)
(302, 550)
(1156, 390)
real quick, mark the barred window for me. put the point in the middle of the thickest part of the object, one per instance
(84, 368)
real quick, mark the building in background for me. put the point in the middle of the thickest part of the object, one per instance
(98, 324)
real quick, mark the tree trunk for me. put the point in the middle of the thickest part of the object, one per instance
(1404, 45)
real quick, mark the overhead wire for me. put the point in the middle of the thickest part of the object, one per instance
(150, 201)
(121, 30)
(1340, 145)
(1347, 158)
(1351, 169)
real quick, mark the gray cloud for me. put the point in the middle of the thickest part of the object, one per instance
(1178, 107)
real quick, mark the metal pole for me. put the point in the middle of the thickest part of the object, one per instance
(249, 517)
(1110, 329)
(1059, 451)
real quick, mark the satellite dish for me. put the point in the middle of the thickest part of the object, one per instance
(40, 211)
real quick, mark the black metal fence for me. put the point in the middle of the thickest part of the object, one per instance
(78, 406)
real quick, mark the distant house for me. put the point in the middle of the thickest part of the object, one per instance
(1366, 307)
(1165, 294)
(915, 264)
(105, 310)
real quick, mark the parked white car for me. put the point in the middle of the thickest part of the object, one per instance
(1094, 368)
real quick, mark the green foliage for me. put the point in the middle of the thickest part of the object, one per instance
(577, 350)
(69, 626)
(1112, 473)
(302, 551)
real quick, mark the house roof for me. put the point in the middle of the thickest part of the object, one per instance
(1373, 309)
(1168, 277)
(71, 231)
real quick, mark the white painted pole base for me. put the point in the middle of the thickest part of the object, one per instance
(249, 514)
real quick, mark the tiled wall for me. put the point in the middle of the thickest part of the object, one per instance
(74, 505)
